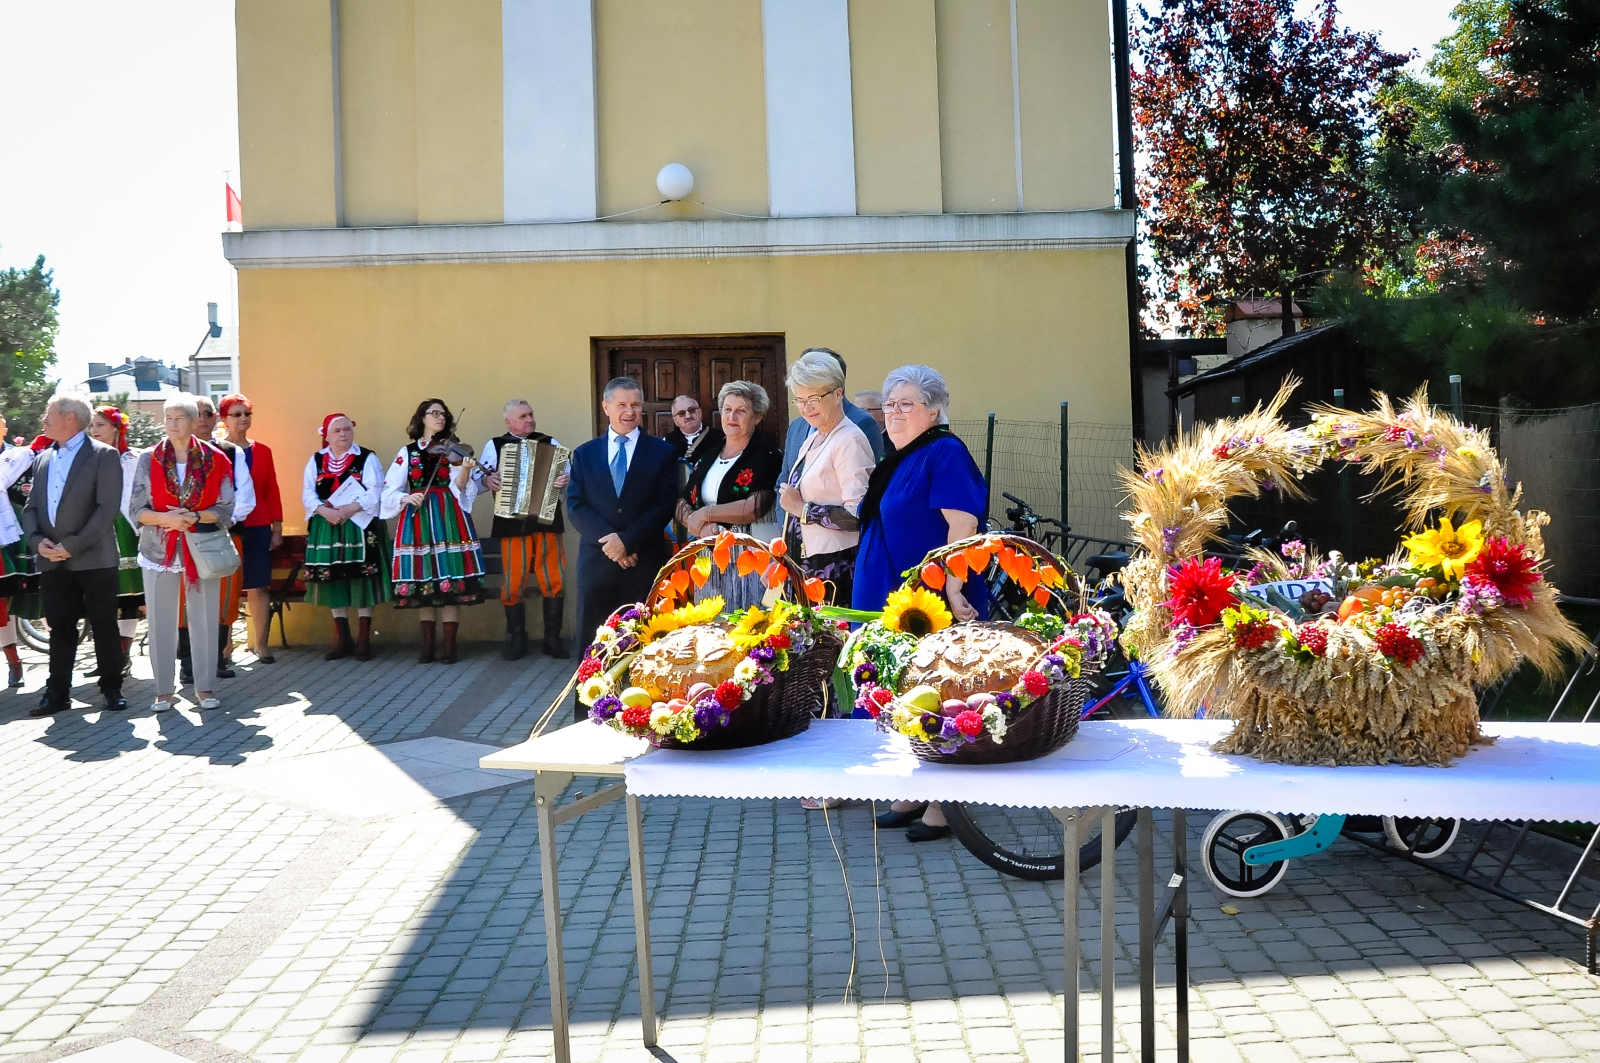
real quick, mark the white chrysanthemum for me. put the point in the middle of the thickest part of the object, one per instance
(594, 688)
(746, 671)
(604, 633)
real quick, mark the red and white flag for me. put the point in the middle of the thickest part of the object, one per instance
(235, 207)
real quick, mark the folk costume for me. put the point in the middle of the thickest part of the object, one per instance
(17, 573)
(437, 562)
(527, 546)
(347, 564)
(161, 484)
(716, 481)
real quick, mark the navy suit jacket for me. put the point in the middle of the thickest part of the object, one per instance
(639, 516)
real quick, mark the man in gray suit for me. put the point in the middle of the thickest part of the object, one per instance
(68, 523)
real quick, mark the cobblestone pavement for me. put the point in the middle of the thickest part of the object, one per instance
(145, 897)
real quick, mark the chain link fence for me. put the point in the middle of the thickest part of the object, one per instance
(1025, 459)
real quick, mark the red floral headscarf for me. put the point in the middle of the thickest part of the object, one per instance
(326, 421)
(119, 421)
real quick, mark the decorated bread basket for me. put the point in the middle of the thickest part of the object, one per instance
(983, 692)
(687, 675)
(1323, 661)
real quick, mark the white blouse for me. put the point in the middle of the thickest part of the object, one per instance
(394, 486)
(370, 476)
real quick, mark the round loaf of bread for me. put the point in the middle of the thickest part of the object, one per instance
(669, 666)
(967, 659)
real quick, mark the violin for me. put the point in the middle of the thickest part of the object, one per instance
(450, 448)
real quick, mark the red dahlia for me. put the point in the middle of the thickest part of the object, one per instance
(1313, 638)
(589, 667)
(1035, 684)
(1396, 642)
(1200, 591)
(729, 694)
(636, 716)
(1508, 567)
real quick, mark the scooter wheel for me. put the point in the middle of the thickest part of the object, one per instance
(1223, 846)
(1425, 839)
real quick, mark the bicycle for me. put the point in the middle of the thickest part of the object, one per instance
(1246, 854)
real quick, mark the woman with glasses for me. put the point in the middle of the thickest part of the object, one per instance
(824, 490)
(927, 493)
(437, 565)
(733, 487)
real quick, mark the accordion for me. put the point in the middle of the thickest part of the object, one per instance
(528, 472)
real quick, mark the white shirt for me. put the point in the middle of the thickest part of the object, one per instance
(613, 441)
(689, 441)
(14, 461)
(244, 486)
(370, 474)
(713, 481)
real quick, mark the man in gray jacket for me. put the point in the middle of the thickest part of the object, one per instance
(68, 523)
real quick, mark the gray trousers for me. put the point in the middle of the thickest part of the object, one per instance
(161, 590)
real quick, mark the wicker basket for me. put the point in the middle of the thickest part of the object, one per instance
(1039, 730)
(782, 708)
(1048, 723)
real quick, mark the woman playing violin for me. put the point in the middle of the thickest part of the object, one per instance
(437, 564)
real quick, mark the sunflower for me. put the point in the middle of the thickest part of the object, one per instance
(688, 616)
(916, 612)
(756, 627)
(1448, 548)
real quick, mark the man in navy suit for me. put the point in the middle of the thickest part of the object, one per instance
(623, 490)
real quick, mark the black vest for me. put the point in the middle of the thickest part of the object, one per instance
(325, 485)
(511, 528)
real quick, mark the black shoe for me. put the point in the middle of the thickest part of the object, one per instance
(93, 673)
(116, 702)
(554, 645)
(516, 646)
(891, 818)
(925, 832)
(186, 675)
(49, 706)
(225, 670)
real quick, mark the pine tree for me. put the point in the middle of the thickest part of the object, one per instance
(28, 301)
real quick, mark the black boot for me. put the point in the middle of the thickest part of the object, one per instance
(364, 640)
(224, 658)
(448, 650)
(185, 662)
(427, 642)
(554, 645)
(343, 646)
(516, 646)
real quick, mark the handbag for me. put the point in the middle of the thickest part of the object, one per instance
(213, 553)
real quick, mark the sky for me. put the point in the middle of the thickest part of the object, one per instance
(119, 122)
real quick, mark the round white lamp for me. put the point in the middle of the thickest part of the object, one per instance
(674, 181)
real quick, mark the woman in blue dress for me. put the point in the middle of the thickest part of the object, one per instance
(929, 492)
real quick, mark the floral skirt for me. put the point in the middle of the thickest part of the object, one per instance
(437, 561)
(19, 577)
(347, 566)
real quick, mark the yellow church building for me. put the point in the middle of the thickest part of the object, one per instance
(458, 198)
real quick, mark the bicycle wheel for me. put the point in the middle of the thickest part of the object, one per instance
(35, 634)
(1222, 852)
(1028, 843)
(1425, 839)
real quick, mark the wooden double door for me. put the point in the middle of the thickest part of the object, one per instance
(698, 366)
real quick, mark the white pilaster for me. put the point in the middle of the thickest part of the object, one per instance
(811, 155)
(547, 52)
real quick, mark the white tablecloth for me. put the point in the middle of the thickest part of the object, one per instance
(1534, 771)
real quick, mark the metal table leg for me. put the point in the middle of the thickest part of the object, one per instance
(1108, 933)
(1071, 961)
(547, 786)
(641, 922)
(1180, 914)
(1147, 936)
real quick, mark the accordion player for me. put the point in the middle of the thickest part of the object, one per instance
(530, 472)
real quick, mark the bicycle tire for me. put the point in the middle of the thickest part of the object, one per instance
(35, 634)
(1037, 865)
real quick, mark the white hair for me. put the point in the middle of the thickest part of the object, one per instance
(189, 404)
(815, 370)
(76, 404)
(751, 392)
(927, 380)
(515, 404)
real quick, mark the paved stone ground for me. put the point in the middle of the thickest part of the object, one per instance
(143, 896)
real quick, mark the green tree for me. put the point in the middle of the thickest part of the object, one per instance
(1512, 198)
(143, 430)
(1458, 73)
(28, 301)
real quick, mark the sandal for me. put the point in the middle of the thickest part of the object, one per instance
(816, 804)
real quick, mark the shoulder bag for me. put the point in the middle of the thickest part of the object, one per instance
(213, 553)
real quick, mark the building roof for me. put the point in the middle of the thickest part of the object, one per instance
(1279, 349)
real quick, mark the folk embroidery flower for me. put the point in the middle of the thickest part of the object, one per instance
(745, 478)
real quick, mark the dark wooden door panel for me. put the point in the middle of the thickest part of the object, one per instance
(669, 366)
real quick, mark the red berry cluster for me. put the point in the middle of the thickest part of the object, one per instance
(1397, 643)
(1254, 634)
(729, 694)
(1313, 638)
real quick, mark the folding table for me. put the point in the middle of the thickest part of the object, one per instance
(1532, 771)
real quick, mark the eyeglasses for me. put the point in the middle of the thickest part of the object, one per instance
(903, 406)
(811, 402)
(685, 413)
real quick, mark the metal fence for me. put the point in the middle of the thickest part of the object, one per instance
(1026, 459)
